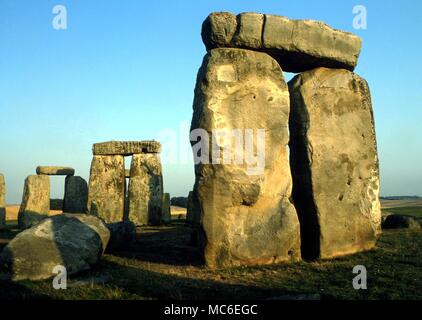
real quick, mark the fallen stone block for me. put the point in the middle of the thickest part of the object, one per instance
(297, 45)
(396, 221)
(334, 163)
(74, 241)
(55, 171)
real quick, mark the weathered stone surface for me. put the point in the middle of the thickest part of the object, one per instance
(122, 234)
(166, 210)
(396, 221)
(246, 213)
(126, 148)
(334, 163)
(55, 171)
(106, 196)
(2, 201)
(145, 189)
(75, 195)
(297, 45)
(127, 173)
(35, 204)
(75, 241)
(56, 204)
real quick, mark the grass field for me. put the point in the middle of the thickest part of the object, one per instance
(161, 265)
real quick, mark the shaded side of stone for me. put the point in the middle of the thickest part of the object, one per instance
(75, 195)
(166, 209)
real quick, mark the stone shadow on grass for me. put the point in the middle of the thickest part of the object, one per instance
(169, 244)
(155, 285)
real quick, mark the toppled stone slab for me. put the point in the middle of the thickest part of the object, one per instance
(2, 202)
(75, 195)
(126, 148)
(35, 205)
(127, 173)
(334, 163)
(145, 189)
(55, 171)
(396, 221)
(246, 214)
(297, 45)
(73, 241)
(106, 196)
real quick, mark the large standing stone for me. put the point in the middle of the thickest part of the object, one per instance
(145, 189)
(297, 45)
(246, 214)
(75, 195)
(166, 210)
(106, 198)
(35, 204)
(2, 202)
(75, 241)
(334, 163)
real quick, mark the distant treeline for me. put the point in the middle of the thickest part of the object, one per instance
(401, 198)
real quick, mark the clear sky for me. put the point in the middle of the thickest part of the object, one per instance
(126, 69)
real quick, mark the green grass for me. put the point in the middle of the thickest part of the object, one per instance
(408, 211)
(161, 265)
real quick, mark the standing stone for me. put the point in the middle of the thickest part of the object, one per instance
(75, 195)
(35, 204)
(334, 163)
(246, 214)
(190, 209)
(106, 195)
(145, 189)
(2, 202)
(166, 213)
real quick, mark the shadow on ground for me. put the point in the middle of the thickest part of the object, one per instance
(168, 245)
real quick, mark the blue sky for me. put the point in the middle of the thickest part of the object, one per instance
(124, 70)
